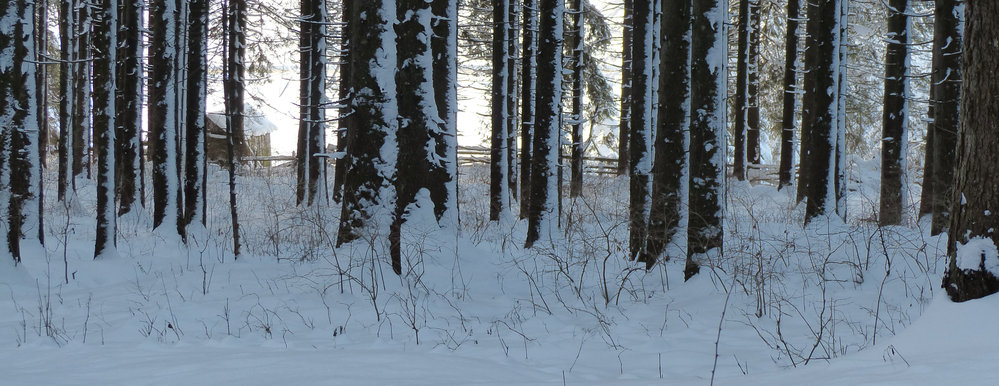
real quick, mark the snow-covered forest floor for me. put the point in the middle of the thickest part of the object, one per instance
(832, 303)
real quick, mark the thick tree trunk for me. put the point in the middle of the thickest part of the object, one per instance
(162, 117)
(707, 131)
(311, 98)
(197, 90)
(543, 219)
(976, 195)
(105, 78)
(368, 192)
(790, 97)
(895, 114)
(669, 167)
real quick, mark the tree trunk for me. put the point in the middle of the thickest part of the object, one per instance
(162, 117)
(234, 37)
(669, 166)
(547, 128)
(820, 126)
(624, 129)
(498, 164)
(311, 98)
(197, 91)
(976, 197)
(895, 113)
(948, 35)
(345, 93)
(640, 145)
(444, 172)
(67, 14)
(513, 50)
(707, 131)
(790, 97)
(81, 104)
(368, 192)
(528, 99)
(576, 122)
(105, 78)
(129, 104)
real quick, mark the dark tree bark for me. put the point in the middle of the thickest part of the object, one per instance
(528, 99)
(946, 98)
(976, 195)
(707, 131)
(41, 85)
(753, 94)
(498, 164)
(105, 78)
(640, 136)
(513, 123)
(624, 129)
(197, 91)
(234, 38)
(129, 104)
(819, 128)
(747, 114)
(543, 218)
(788, 120)
(418, 115)
(368, 194)
(444, 173)
(312, 85)
(67, 14)
(895, 113)
(576, 66)
(674, 119)
(162, 116)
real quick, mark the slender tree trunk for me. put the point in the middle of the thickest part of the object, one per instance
(753, 86)
(948, 36)
(234, 20)
(498, 164)
(67, 11)
(818, 177)
(624, 129)
(197, 91)
(670, 165)
(513, 51)
(972, 272)
(895, 114)
(707, 133)
(345, 93)
(640, 137)
(129, 104)
(576, 163)
(81, 104)
(444, 172)
(788, 120)
(105, 84)
(547, 129)
(528, 99)
(368, 192)
(312, 86)
(41, 82)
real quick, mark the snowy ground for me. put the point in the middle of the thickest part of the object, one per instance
(833, 303)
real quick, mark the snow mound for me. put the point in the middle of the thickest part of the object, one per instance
(978, 253)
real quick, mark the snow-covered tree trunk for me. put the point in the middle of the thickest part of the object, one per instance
(745, 97)
(40, 26)
(624, 127)
(499, 199)
(81, 89)
(234, 43)
(576, 123)
(948, 30)
(895, 113)
(344, 94)
(129, 104)
(444, 171)
(640, 138)
(542, 221)
(19, 123)
(368, 193)
(818, 177)
(513, 123)
(418, 117)
(162, 117)
(105, 111)
(707, 132)
(528, 100)
(974, 227)
(197, 91)
(790, 97)
(669, 166)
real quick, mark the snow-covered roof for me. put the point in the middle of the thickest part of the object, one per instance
(254, 123)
